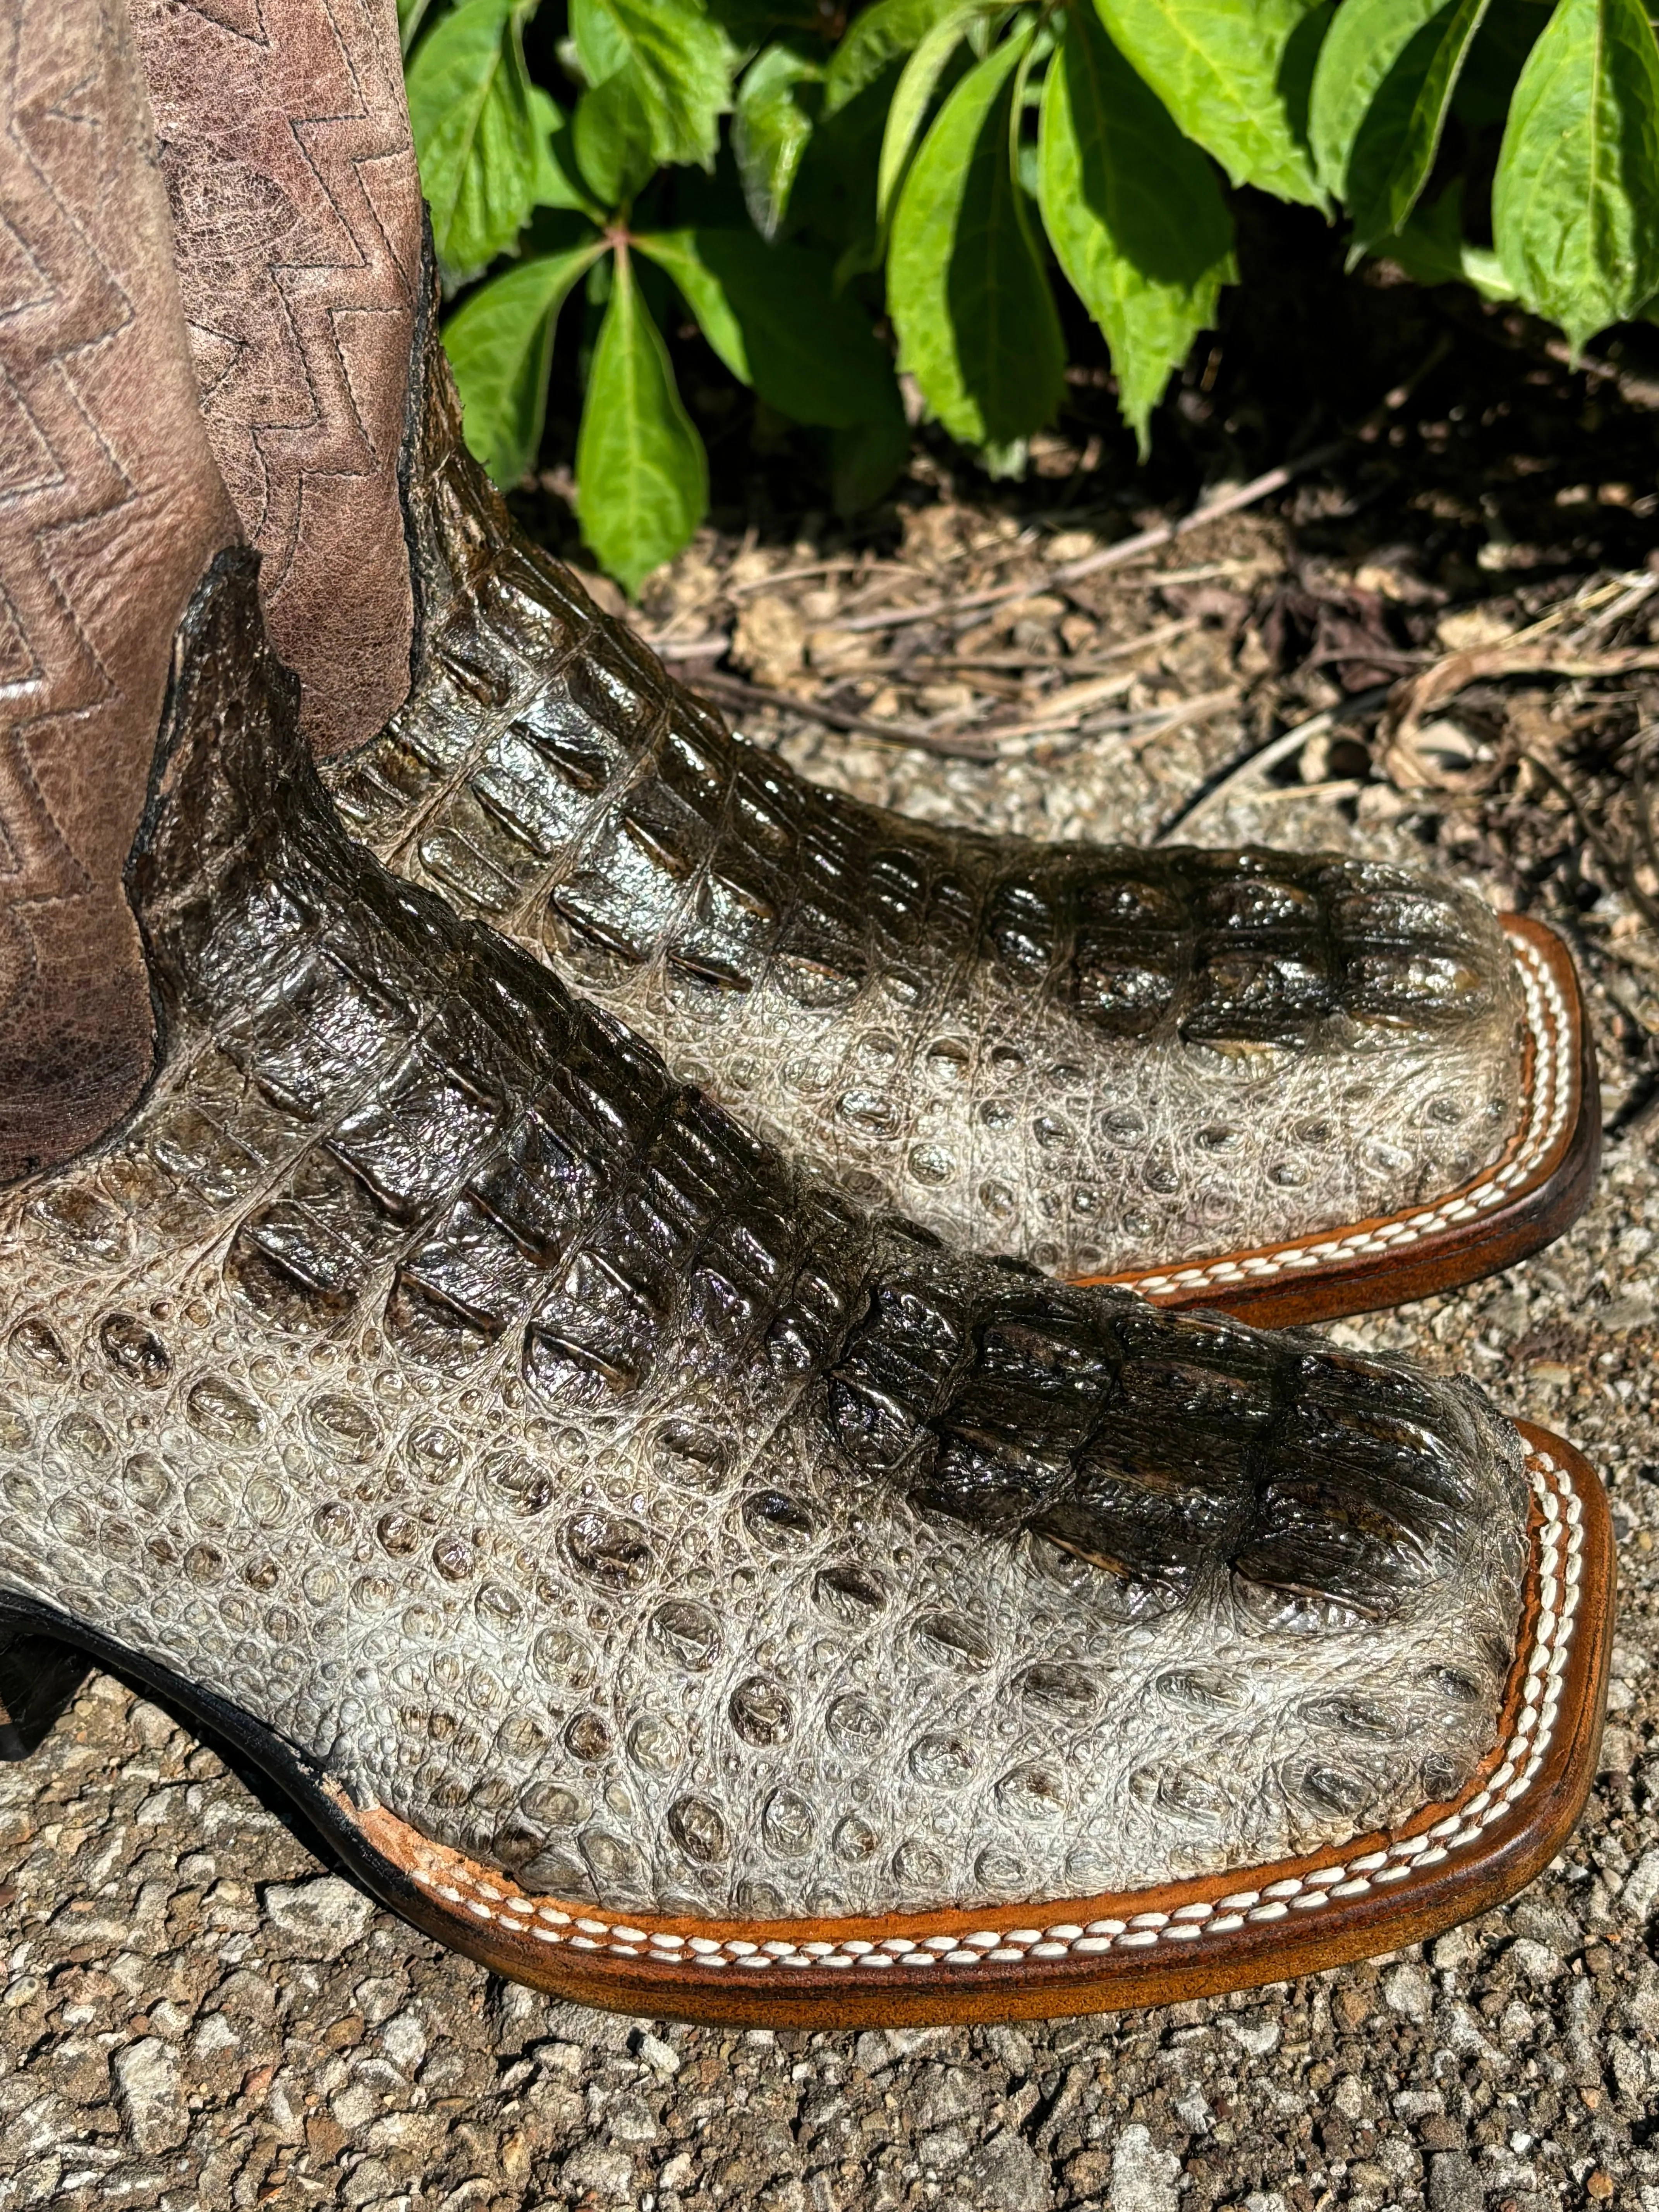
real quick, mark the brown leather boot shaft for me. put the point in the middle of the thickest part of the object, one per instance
(112, 511)
(296, 208)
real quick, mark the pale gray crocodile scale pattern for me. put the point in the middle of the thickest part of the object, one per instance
(1096, 1059)
(426, 1372)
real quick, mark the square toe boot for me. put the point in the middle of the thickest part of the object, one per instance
(1290, 1085)
(680, 1589)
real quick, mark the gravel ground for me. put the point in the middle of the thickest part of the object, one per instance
(197, 2009)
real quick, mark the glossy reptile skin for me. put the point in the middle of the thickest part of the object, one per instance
(1094, 1058)
(424, 1369)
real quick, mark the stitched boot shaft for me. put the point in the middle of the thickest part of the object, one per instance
(482, 1413)
(296, 211)
(111, 512)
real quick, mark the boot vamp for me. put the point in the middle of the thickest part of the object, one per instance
(657, 1643)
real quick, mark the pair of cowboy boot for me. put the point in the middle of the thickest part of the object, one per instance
(712, 1547)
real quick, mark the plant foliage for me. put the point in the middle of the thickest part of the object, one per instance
(834, 195)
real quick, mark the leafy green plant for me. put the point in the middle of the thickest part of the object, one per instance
(838, 197)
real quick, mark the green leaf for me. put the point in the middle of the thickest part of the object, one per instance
(1433, 250)
(968, 296)
(1134, 215)
(641, 473)
(1382, 92)
(611, 135)
(1576, 200)
(1235, 76)
(873, 41)
(558, 179)
(679, 252)
(412, 14)
(682, 67)
(773, 315)
(478, 135)
(835, 197)
(771, 129)
(500, 346)
(601, 49)
(913, 97)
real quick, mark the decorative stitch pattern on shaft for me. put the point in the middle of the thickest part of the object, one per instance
(110, 510)
(296, 217)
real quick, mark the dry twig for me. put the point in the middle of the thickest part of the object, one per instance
(1266, 757)
(991, 743)
(735, 692)
(1110, 556)
(1414, 766)
(1148, 722)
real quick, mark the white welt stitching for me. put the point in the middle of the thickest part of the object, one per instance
(1550, 1099)
(1560, 1568)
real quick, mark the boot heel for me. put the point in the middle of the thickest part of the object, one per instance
(38, 1677)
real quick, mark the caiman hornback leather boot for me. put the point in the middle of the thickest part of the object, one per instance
(652, 1572)
(1292, 1085)
(659, 1578)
